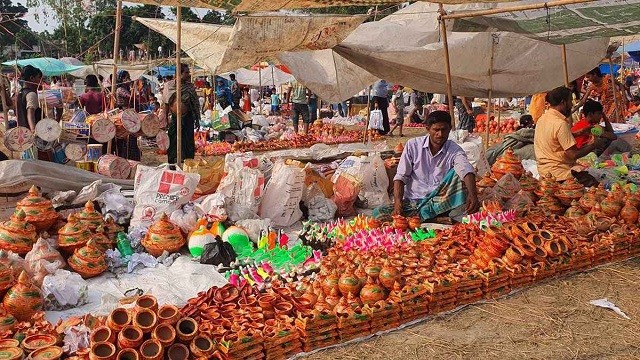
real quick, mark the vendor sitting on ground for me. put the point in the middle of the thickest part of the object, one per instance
(432, 175)
(555, 146)
(592, 112)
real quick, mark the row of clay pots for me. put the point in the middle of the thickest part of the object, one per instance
(153, 349)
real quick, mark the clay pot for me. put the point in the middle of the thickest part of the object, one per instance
(47, 353)
(102, 241)
(165, 333)
(575, 210)
(550, 204)
(102, 351)
(118, 319)
(146, 320)
(88, 261)
(349, 283)
(6, 281)
(202, 346)
(508, 163)
(130, 337)
(553, 248)
(388, 275)
(373, 270)
(34, 342)
(89, 217)
(283, 307)
(11, 353)
(569, 191)
(528, 183)
(102, 334)
(186, 330)
(400, 222)
(163, 236)
(38, 210)
(330, 282)
(178, 352)
(266, 302)
(588, 200)
(147, 302)
(611, 206)
(371, 292)
(23, 299)
(128, 354)
(151, 350)
(548, 186)
(17, 235)
(629, 214)
(73, 235)
(9, 343)
(485, 182)
(168, 314)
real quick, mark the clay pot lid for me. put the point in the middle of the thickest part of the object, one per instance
(49, 352)
(18, 223)
(74, 227)
(164, 226)
(35, 199)
(89, 213)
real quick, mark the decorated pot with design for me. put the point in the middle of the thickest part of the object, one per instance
(11, 353)
(349, 283)
(102, 240)
(611, 205)
(88, 261)
(330, 282)
(574, 210)
(90, 217)
(629, 214)
(38, 210)
(569, 191)
(7, 320)
(23, 299)
(547, 186)
(388, 275)
(163, 236)
(588, 200)
(508, 163)
(485, 182)
(33, 342)
(400, 222)
(73, 235)
(47, 353)
(17, 235)
(550, 204)
(372, 292)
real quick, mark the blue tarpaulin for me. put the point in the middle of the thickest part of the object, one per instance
(48, 66)
(604, 68)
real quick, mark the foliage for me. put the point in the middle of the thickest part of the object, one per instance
(12, 26)
(218, 18)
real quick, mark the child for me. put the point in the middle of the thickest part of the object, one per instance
(275, 104)
(582, 131)
(398, 102)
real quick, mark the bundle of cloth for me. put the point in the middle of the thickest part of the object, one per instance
(520, 141)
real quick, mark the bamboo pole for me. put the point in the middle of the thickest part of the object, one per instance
(499, 112)
(179, 87)
(445, 44)
(615, 92)
(565, 67)
(366, 125)
(116, 52)
(3, 96)
(490, 108)
(514, 8)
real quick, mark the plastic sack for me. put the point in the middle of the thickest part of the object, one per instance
(376, 120)
(243, 189)
(213, 207)
(375, 183)
(282, 195)
(520, 202)
(352, 165)
(319, 207)
(42, 260)
(64, 290)
(210, 174)
(186, 218)
(507, 187)
(160, 190)
(345, 193)
(253, 227)
(217, 253)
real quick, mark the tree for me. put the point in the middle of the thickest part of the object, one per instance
(13, 28)
(218, 17)
(186, 14)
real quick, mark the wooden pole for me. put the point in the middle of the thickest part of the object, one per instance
(3, 96)
(565, 67)
(618, 116)
(490, 108)
(179, 87)
(445, 44)
(514, 8)
(499, 112)
(116, 52)
(366, 124)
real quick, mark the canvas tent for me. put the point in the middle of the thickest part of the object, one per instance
(105, 68)
(48, 66)
(269, 76)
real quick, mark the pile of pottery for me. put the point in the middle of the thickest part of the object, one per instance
(36, 339)
(163, 236)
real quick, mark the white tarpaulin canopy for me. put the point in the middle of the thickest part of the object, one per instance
(269, 76)
(105, 68)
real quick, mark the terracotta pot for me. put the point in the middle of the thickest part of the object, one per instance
(508, 163)
(47, 353)
(414, 222)
(130, 337)
(39, 211)
(388, 275)
(569, 191)
(102, 351)
(7, 321)
(9, 343)
(163, 236)
(165, 333)
(102, 334)
(330, 282)
(514, 255)
(400, 223)
(33, 342)
(283, 307)
(186, 330)
(168, 314)
(151, 350)
(552, 248)
(11, 353)
(629, 214)
(118, 319)
(23, 299)
(17, 235)
(88, 261)
(89, 217)
(146, 320)
(147, 302)
(372, 292)
(202, 346)
(178, 352)
(128, 354)
(349, 283)
(266, 301)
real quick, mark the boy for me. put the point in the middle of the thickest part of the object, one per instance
(588, 128)
(398, 103)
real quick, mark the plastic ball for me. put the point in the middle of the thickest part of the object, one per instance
(198, 239)
(238, 238)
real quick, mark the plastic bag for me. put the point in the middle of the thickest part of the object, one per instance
(319, 207)
(375, 183)
(42, 260)
(376, 121)
(352, 165)
(210, 174)
(213, 207)
(186, 218)
(64, 290)
(282, 195)
(314, 177)
(243, 188)
(345, 193)
(217, 253)
(507, 187)
(253, 227)
(520, 202)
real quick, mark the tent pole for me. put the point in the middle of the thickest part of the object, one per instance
(499, 112)
(622, 59)
(116, 52)
(615, 92)
(445, 43)
(3, 96)
(502, 10)
(366, 125)
(179, 87)
(490, 107)
(565, 66)
(260, 84)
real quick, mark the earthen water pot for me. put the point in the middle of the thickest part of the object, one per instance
(88, 261)
(17, 235)
(73, 235)
(629, 214)
(569, 191)
(128, 354)
(23, 299)
(151, 350)
(131, 336)
(508, 163)
(388, 275)
(574, 210)
(165, 333)
(186, 330)
(102, 334)
(330, 282)
(611, 206)
(102, 351)
(588, 200)
(38, 210)
(178, 352)
(145, 319)
(547, 186)
(168, 314)
(372, 292)
(202, 347)
(147, 302)
(118, 319)
(349, 283)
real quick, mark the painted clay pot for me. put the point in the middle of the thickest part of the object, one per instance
(118, 319)
(373, 269)
(330, 282)
(528, 183)
(17, 235)
(23, 299)
(508, 163)
(547, 186)
(38, 210)
(130, 337)
(168, 314)
(388, 275)
(147, 302)
(575, 210)
(165, 334)
(611, 206)
(102, 241)
(128, 354)
(349, 283)
(47, 353)
(163, 236)
(102, 334)
(178, 352)
(102, 351)
(9, 343)
(89, 217)
(6, 281)
(73, 236)
(202, 346)
(372, 292)
(569, 191)
(34, 342)
(145, 319)
(629, 214)
(550, 204)
(485, 182)
(88, 261)
(11, 353)
(151, 350)
(186, 330)
(400, 222)
(588, 200)
(7, 320)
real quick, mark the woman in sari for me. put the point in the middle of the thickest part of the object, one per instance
(609, 93)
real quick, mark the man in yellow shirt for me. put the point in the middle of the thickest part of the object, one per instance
(555, 146)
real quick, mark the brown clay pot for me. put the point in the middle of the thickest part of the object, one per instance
(147, 302)
(102, 351)
(266, 302)
(73, 235)
(400, 222)
(118, 319)
(371, 292)
(349, 283)
(202, 346)
(102, 334)
(47, 353)
(165, 333)
(168, 314)
(186, 330)
(146, 320)
(88, 261)
(163, 235)
(414, 222)
(508, 163)
(34, 342)
(11, 353)
(178, 352)
(151, 350)
(611, 206)
(330, 282)
(23, 299)
(388, 275)
(629, 214)
(39, 211)
(17, 235)
(7, 322)
(128, 354)
(89, 217)
(130, 337)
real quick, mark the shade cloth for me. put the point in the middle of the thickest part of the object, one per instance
(105, 68)
(48, 66)
(269, 76)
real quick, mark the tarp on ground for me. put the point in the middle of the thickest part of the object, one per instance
(269, 76)
(105, 68)
(48, 66)
(563, 24)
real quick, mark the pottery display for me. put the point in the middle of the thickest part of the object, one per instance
(102, 351)
(588, 200)
(400, 222)
(163, 236)
(547, 186)
(23, 299)
(165, 334)
(38, 210)
(73, 235)
(371, 292)
(7, 320)
(575, 210)
(145, 319)
(569, 191)
(508, 163)
(168, 314)
(550, 204)
(88, 261)
(349, 283)
(89, 217)
(17, 235)
(147, 302)
(186, 330)
(629, 213)
(388, 275)
(102, 334)
(202, 346)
